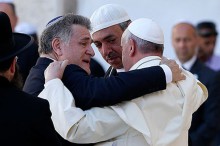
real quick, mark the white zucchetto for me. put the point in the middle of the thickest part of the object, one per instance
(148, 30)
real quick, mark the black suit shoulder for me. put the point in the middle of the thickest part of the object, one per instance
(25, 120)
(34, 83)
(205, 120)
(204, 73)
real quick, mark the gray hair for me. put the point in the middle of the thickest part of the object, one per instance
(62, 28)
(143, 45)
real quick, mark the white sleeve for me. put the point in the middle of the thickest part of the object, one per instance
(76, 125)
(168, 73)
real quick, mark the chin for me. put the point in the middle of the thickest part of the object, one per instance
(87, 70)
(117, 66)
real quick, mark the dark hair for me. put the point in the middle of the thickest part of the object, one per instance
(61, 28)
(124, 25)
(210, 29)
(5, 65)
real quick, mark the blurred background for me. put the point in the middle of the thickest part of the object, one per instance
(165, 13)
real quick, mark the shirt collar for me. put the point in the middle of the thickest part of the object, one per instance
(120, 70)
(188, 64)
(147, 61)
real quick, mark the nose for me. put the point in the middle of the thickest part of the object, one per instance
(90, 51)
(181, 44)
(105, 49)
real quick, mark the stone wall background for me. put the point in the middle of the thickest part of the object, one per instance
(39, 12)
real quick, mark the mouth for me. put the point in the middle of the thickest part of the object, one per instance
(112, 59)
(86, 61)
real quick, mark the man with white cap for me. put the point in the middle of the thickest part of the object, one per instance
(108, 23)
(160, 118)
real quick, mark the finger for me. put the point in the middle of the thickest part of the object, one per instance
(164, 59)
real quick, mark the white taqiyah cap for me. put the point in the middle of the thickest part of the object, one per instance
(7, 1)
(147, 29)
(106, 16)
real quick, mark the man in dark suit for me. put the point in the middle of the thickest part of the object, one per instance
(205, 120)
(89, 91)
(28, 57)
(109, 22)
(25, 120)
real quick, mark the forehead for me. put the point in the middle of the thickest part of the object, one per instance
(80, 33)
(112, 31)
(183, 31)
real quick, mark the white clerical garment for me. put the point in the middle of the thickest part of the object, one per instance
(161, 118)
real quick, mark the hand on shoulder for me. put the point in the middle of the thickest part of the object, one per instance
(55, 70)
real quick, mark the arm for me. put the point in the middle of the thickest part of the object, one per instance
(75, 125)
(90, 91)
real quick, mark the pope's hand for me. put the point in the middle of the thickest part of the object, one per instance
(177, 74)
(55, 70)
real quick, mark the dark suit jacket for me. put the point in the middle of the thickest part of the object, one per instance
(27, 59)
(96, 68)
(90, 91)
(25, 120)
(205, 120)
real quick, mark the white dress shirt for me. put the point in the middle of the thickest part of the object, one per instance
(160, 119)
(188, 64)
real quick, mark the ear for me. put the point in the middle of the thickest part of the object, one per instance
(12, 69)
(132, 48)
(56, 45)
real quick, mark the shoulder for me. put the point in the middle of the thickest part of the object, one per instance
(32, 103)
(72, 70)
(203, 69)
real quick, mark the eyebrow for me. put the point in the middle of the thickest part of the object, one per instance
(108, 36)
(86, 39)
(105, 38)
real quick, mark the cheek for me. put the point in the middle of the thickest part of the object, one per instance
(101, 52)
(118, 50)
(124, 55)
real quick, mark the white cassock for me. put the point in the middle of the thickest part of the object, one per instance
(161, 118)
